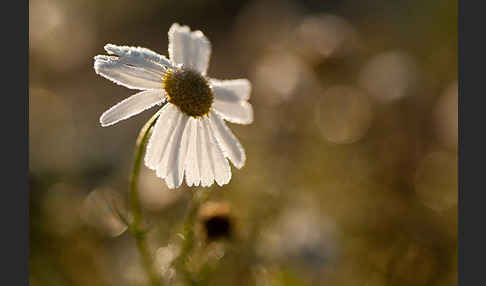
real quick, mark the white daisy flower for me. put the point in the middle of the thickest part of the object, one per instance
(190, 136)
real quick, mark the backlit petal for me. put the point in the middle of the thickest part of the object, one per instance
(161, 135)
(229, 144)
(131, 106)
(189, 49)
(240, 112)
(231, 90)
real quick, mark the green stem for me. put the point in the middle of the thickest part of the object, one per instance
(188, 243)
(135, 205)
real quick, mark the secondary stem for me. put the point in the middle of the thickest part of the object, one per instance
(135, 205)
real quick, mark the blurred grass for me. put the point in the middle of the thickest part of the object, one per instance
(337, 190)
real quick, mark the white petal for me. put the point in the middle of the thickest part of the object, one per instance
(190, 49)
(161, 134)
(176, 172)
(169, 156)
(229, 144)
(140, 76)
(139, 55)
(219, 164)
(231, 90)
(191, 165)
(240, 112)
(204, 159)
(131, 106)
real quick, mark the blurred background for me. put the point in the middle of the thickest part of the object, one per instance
(351, 176)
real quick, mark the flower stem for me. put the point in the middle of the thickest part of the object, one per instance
(188, 243)
(135, 205)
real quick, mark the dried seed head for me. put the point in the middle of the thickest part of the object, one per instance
(216, 220)
(189, 91)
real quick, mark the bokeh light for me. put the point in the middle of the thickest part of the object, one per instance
(59, 37)
(164, 258)
(446, 116)
(343, 114)
(326, 36)
(303, 238)
(389, 76)
(279, 87)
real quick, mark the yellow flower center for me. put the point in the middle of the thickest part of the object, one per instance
(189, 91)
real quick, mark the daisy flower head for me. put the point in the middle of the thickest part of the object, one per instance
(190, 136)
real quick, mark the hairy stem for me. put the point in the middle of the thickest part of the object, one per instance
(136, 207)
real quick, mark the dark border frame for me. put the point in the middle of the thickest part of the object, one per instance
(15, 134)
(471, 250)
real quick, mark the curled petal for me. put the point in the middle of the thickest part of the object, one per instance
(132, 76)
(139, 55)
